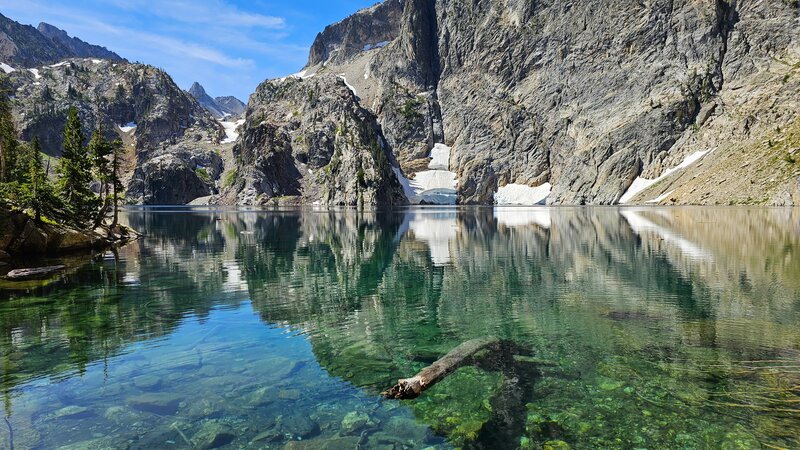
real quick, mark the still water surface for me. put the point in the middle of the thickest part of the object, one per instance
(622, 328)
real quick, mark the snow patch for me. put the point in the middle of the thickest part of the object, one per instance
(230, 131)
(440, 157)
(128, 127)
(6, 68)
(303, 74)
(97, 61)
(35, 73)
(520, 194)
(381, 44)
(660, 197)
(435, 186)
(640, 184)
(349, 86)
(62, 63)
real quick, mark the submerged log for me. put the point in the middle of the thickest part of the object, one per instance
(24, 274)
(409, 388)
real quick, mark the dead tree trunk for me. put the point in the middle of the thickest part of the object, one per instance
(412, 387)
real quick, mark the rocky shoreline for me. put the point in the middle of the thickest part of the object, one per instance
(24, 238)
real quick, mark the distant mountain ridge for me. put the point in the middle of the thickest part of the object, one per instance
(26, 46)
(218, 107)
(78, 47)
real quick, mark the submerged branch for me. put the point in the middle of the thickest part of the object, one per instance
(409, 388)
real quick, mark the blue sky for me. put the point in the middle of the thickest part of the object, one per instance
(229, 46)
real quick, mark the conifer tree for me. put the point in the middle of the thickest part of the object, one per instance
(8, 139)
(38, 193)
(100, 149)
(75, 171)
(115, 181)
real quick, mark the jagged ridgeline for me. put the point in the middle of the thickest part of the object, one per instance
(564, 103)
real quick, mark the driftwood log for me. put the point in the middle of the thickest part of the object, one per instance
(409, 388)
(25, 274)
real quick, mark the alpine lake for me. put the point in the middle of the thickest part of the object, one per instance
(630, 328)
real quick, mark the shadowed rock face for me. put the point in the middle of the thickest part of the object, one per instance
(77, 47)
(364, 29)
(310, 141)
(230, 105)
(582, 95)
(26, 46)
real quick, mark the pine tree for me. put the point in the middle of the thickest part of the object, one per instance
(38, 194)
(9, 147)
(75, 171)
(100, 150)
(116, 183)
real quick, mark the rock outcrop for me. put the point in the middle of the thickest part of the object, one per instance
(309, 141)
(593, 99)
(22, 236)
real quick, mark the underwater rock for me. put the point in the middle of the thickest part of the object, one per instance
(204, 408)
(289, 394)
(102, 443)
(162, 403)
(121, 415)
(354, 422)
(147, 382)
(271, 435)
(262, 396)
(607, 384)
(298, 426)
(408, 428)
(72, 412)
(272, 368)
(213, 434)
(334, 443)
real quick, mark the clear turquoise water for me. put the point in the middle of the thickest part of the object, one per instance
(622, 328)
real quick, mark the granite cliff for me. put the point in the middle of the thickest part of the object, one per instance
(574, 102)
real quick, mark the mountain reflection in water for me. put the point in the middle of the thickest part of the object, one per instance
(650, 327)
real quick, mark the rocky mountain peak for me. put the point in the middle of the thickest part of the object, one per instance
(197, 90)
(219, 107)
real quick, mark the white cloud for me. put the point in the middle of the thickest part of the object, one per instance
(210, 12)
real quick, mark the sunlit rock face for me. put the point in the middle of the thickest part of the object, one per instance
(170, 143)
(583, 98)
(310, 141)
